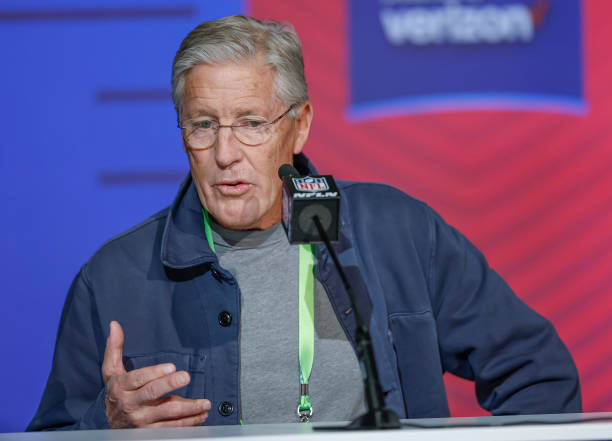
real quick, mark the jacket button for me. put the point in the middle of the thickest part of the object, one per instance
(225, 318)
(226, 408)
(215, 274)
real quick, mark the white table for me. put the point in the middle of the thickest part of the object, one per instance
(591, 426)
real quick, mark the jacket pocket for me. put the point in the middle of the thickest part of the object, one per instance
(192, 362)
(415, 340)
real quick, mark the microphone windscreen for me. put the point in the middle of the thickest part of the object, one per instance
(287, 170)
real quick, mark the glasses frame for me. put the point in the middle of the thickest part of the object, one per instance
(216, 126)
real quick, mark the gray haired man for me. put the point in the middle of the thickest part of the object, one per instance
(202, 298)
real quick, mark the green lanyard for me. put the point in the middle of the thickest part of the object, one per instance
(305, 323)
(306, 328)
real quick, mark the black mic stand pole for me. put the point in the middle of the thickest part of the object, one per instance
(377, 416)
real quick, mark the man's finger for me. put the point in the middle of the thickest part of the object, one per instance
(113, 353)
(175, 408)
(139, 377)
(183, 422)
(154, 389)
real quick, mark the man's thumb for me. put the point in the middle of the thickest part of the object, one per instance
(113, 354)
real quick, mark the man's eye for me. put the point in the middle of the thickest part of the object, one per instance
(204, 124)
(253, 123)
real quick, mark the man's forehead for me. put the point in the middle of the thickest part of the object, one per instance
(199, 109)
(240, 87)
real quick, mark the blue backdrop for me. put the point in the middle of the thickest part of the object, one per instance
(89, 147)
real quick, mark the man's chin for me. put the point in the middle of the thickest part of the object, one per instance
(247, 223)
(246, 214)
(236, 221)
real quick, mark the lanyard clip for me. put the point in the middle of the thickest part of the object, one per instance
(304, 408)
(304, 414)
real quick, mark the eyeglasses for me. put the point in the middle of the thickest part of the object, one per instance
(201, 133)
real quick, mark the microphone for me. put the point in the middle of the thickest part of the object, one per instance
(311, 208)
(287, 170)
(305, 198)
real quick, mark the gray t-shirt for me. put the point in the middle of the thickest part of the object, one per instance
(266, 268)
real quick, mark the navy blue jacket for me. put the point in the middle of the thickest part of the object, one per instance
(433, 303)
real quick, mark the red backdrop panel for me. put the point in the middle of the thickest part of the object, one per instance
(531, 190)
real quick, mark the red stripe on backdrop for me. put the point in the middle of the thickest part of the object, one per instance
(530, 189)
(550, 209)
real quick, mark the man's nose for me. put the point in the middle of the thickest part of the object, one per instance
(227, 147)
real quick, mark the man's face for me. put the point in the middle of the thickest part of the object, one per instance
(236, 183)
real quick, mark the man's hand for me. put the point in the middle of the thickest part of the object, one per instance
(133, 398)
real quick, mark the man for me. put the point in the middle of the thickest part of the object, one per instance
(192, 316)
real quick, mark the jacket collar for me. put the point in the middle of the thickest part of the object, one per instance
(184, 243)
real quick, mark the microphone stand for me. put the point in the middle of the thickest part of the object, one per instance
(377, 415)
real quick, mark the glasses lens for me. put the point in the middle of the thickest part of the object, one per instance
(252, 135)
(199, 137)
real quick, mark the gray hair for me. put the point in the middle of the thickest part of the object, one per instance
(237, 38)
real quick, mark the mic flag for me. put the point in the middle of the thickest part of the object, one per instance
(305, 197)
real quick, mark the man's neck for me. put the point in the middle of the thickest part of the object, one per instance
(227, 238)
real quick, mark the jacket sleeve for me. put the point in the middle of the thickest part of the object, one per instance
(487, 334)
(74, 394)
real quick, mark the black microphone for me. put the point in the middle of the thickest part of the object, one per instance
(311, 208)
(307, 197)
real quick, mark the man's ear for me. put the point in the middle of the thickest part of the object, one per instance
(302, 126)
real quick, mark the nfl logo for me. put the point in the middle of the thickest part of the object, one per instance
(310, 184)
